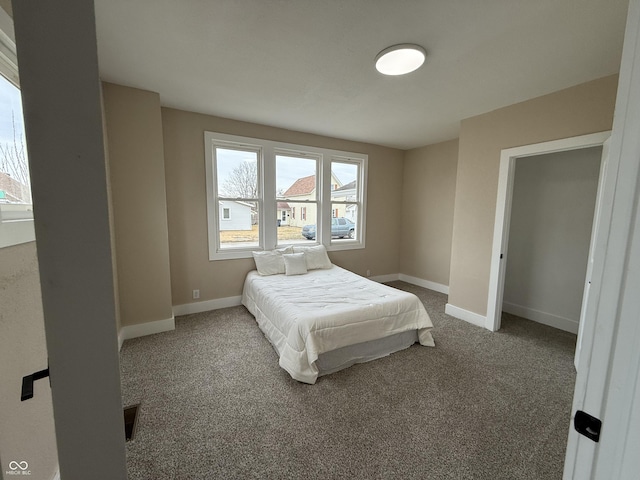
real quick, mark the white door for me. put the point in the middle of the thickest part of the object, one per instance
(601, 214)
(608, 378)
(57, 53)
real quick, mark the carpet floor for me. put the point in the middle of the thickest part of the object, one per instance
(214, 404)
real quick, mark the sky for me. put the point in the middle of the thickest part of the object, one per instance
(288, 169)
(10, 101)
(12, 130)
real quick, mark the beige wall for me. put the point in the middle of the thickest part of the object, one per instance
(187, 213)
(138, 201)
(583, 109)
(427, 211)
(26, 428)
(425, 248)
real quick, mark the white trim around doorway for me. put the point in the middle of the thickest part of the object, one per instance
(508, 159)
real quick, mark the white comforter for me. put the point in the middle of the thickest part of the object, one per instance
(306, 315)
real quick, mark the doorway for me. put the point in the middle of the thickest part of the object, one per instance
(552, 214)
(504, 202)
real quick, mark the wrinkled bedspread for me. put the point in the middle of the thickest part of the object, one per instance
(306, 315)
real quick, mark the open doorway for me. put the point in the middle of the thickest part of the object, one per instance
(552, 214)
(505, 203)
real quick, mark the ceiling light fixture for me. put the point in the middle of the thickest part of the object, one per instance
(400, 59)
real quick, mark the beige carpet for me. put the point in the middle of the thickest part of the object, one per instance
(480, 405)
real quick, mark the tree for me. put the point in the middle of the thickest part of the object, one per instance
(242, 182)
(13, 163)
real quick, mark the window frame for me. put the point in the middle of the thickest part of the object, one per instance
(358, 201)
(301, 203)
(216, 251)
(267, 200)
(16, 227)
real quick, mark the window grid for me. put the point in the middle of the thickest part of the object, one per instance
(279, 206)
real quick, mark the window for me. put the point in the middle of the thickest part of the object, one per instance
(16, 210)
(237, 196)
(263, 194)
(297, 185)
(346, 200)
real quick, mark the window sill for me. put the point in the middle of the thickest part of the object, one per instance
(237, 253)
(16, 232)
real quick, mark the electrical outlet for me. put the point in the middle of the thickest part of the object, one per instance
(368, 273)
(196, 294)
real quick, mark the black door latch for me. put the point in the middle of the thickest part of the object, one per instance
(587, 425)
(27, 383)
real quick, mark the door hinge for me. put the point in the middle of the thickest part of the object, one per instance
(587, 425)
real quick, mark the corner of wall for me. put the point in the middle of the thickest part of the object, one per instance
(466, 315)
(429, 188)
(144, 329)
(140, 246)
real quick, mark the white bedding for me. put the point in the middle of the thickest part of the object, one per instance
(304, 316)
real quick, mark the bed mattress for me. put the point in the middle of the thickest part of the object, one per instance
(305, 316)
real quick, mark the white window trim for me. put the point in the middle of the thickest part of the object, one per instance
(238, 143)
(267, 203)
(361, 228)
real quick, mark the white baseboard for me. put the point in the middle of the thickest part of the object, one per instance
(149, 328)
(215, 304)
(436, 287)
(556, 321)
(392, 277)
(466, 315)
(142, 329)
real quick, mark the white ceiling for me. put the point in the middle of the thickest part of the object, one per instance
(308, 65)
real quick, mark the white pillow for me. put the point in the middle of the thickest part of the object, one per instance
(295, 263)
(270, 262)
(316, 256)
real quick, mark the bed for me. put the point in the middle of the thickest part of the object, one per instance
(326, 319)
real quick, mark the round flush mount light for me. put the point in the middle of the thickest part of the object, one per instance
(400, 59)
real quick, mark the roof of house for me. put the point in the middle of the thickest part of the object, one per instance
(283, 206)
(239, 202)
(302, 186)
(348, 186)
(12, 190)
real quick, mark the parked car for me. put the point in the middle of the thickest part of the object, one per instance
(340, 227)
